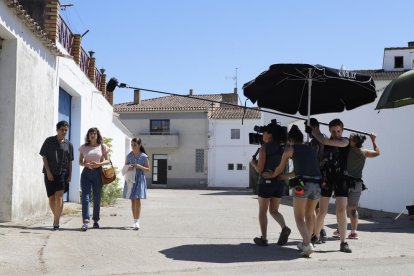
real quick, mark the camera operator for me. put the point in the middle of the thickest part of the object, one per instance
(306, 183)
(270, 191)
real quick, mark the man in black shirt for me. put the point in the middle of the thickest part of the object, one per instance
(57, 154)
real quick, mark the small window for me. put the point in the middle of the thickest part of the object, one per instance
(399, 62)
(239, 167)
(235, 133)
(230, 167)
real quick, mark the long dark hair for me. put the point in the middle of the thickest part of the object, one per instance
(98, 133)
(138, 141)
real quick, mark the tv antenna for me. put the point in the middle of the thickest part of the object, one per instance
(64, 6)
(234, 78)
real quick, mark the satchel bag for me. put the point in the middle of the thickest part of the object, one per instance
(108, 174)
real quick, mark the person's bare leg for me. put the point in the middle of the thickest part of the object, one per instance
(274, 211)
(323, 210)
(341, 204)
(310, 218)
(58, 206)
(263, 207)
(299, 205)
(353, 215)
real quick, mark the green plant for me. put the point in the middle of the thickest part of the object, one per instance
(111, 191)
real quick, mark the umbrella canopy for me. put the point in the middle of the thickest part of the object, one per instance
(399, 92)
(289, 88)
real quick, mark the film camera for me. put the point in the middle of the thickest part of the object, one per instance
(278, 132)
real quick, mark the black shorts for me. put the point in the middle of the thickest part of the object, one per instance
(273, 189)
(336, 184)
(60, 183)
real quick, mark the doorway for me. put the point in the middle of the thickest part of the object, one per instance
(64, 113)
(159, 169)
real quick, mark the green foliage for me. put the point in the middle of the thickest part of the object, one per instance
(111, 191)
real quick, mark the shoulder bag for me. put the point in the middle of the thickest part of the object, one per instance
(108, 174)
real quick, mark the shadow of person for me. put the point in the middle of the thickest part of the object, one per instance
(230, 253)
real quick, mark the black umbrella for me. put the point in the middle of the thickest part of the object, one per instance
(399, 92)
(292, 88)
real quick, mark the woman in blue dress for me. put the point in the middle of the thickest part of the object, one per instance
(137, 160)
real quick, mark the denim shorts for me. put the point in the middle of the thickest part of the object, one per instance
(311, 191)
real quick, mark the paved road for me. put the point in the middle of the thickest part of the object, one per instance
(198, 232)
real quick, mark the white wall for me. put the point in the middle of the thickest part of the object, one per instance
(27, 77)
(223, 150)
(30, 77)
(407, 54)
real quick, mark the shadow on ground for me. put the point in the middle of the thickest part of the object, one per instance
(230, 253)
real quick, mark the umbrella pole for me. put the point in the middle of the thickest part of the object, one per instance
(309, 96)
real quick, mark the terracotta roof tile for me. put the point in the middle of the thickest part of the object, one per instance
(380, 74)
(235, 113)
(171, 103)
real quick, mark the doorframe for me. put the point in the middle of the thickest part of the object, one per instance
(157, 156)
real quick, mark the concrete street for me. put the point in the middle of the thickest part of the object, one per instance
(198, 232)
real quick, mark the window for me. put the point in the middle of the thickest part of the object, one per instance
(159, 127)
(199, 160)
(235, 133)
(399, 62)
(230, 167)
(239, 167)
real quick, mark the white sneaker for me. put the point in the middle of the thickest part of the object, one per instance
(307, 250)
(300, 246)
(136, 225)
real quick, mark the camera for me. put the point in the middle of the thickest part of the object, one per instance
(278, 132)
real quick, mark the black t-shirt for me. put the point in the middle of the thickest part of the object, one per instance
(57, 154)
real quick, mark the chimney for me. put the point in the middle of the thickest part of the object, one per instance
(191, 92)
(411, 44)
(235, 90)
(137, 96)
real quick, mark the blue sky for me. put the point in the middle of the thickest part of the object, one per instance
(177, 45)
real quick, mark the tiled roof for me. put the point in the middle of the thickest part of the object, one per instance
(380, 74)
(171, 103)
(235, 113)
(33, 26)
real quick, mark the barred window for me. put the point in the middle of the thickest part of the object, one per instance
(199, 160)
(235, 133)
(230, 166)
(239, 167)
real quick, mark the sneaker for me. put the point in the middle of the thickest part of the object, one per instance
(55, 227)
(336, 233)
(96, 225)
(345, 248)
(260, 241)
(322, 233)
(135, 226)
(353, 236)
(284, 235)
(307, 250)
(84, 227)
(300, 246)
(316, 240)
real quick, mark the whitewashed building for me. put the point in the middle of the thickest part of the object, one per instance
(45, 77)
(229, 151)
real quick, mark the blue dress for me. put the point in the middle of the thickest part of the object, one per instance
(139, 189)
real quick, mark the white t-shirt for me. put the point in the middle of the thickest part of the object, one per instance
(91, 153)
